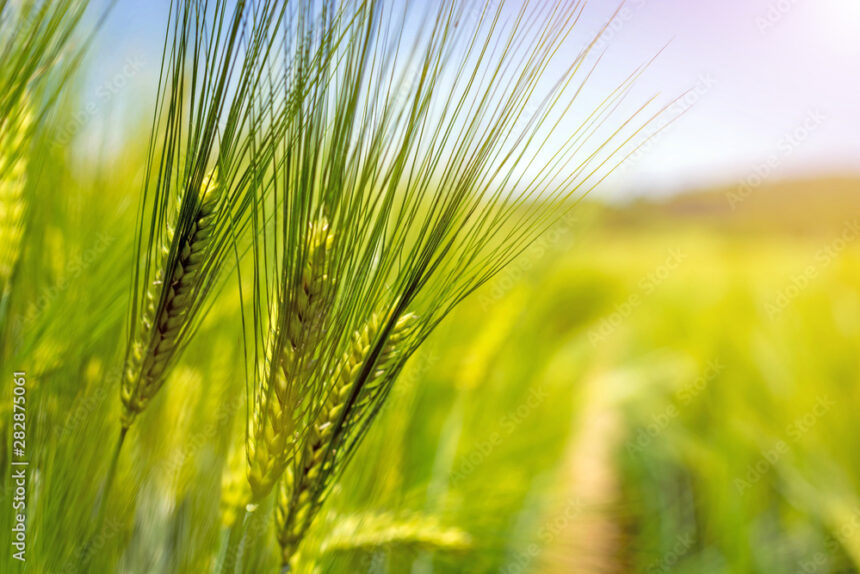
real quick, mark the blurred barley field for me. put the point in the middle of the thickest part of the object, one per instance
(664, 384)
(649, 388)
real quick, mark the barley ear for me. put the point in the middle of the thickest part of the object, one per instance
(288, 365)
(303, 485)
(13, 172)
(372, 532)
(167, 303)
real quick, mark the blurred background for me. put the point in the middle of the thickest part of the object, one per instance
(667, 381)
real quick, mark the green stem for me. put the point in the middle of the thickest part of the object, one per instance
(237, 532)
(101, 503)
(100, 508)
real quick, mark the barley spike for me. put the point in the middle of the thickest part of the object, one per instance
(272, 424)
(301, 487)
(378, 531)
(161, 324)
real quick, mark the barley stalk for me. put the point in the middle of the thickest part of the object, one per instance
(167, 302)
(288, 364)
(302, 487)
(378, 531)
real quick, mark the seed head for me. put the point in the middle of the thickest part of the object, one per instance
(168, 301)
(302, 487)
(288, 365)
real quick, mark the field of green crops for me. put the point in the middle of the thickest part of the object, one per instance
(353, 301)
(635, 393)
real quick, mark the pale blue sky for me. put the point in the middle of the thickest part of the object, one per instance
(775, 83)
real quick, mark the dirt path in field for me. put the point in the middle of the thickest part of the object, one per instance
(585, 535)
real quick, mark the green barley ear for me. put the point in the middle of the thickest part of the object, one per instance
(167, 304)
(217, 105)
(293, 340)
(303, 486)
(372, 532)
(13, 173)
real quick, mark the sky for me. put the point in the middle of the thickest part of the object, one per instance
(771, 85)
(779, 95)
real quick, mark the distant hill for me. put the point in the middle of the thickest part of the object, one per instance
(799, 207)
